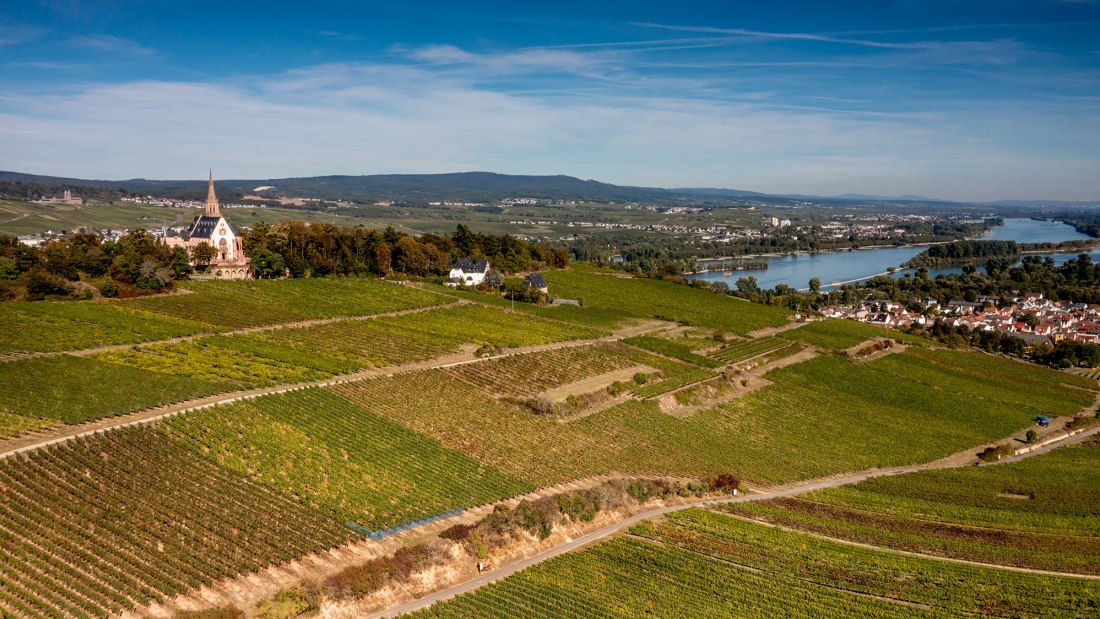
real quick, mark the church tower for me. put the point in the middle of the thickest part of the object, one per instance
(212, 208)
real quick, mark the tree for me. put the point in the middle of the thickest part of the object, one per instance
(815, 285)
(720, 287)
(747, 285)
(202, 254)
(1032, 436)
(494, 279)
(267, 264)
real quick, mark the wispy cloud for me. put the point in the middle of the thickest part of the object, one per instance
(110, 44)
(779, 36)
(333, 35)
(12, 33)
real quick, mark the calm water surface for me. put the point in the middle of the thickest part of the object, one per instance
(796, 270)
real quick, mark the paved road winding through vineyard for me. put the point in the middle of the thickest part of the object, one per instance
(609, 530)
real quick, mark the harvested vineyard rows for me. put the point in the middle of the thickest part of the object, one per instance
(1040, 513)
(339, 458)
(525, 376)
(670, 348)
(127, 517)
(701, 564)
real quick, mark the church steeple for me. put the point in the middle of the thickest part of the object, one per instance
(212, 208)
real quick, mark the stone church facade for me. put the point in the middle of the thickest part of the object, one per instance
(215, 229)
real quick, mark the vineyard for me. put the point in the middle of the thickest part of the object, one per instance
(599, 318)
(75, 325)
(120, 519)
(76, 389)
(670, 348)
(650, 298)
(701, 564)
(844, 334)
(257, 302)
(1041, 513)
(792, 429)
(214, 364)
(339, 458)
(673, 383)
(485, 325)
(525, 376)
(747, 349)
(12, 424)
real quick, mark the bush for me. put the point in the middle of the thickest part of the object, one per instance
(641, 378)
(992, 454)
(109, 289)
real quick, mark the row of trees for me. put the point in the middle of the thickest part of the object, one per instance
(136, 263)
(310, 250)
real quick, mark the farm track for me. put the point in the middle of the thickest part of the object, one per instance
(960, 459)
(59, 434)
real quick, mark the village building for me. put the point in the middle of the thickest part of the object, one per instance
(66, 198)
(536, 281)
(468, 272)
(213, 229)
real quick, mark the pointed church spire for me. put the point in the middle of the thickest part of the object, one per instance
(212, 208)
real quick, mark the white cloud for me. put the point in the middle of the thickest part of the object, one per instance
(434, 115)
(109, 44)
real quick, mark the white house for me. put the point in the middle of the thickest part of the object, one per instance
(468, 272)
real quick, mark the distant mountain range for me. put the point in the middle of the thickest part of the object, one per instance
(460, 186)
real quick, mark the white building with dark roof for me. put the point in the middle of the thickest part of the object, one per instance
(215, 230)
(468, 272)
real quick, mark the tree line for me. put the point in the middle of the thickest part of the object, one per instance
(301, 249)
(137, 263)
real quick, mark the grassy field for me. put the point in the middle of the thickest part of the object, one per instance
(650, 298)
(43, 326)
(697, 563)
(253, 303)
(106, 523)
(844, 334)
(821, 417)
(1042, 513)
(339, 458)
(76, 389)
(671, 348)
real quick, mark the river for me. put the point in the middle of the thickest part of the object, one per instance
(834, 268)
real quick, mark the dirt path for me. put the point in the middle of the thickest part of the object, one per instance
(612, 529)
(594, 383)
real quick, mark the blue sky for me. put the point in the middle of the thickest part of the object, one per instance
(955, 99)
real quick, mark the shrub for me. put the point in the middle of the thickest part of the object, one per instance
(994, 453)
(109, 289)
(641, 378)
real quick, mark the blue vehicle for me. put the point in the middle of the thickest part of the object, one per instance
(1042, 421)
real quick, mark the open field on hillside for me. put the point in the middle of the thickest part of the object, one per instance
(598, 317)
(75, 389)
(123, 518)
(525, 376)
(1043, 512)
(43, 326)
(253, 303)
(821, 416)
(480, 324)
(843, 334)
(339, 458)
(650, 298)
(702, 564)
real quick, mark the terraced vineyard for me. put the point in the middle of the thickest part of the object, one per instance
(747, 349)
(650, 298)
(792, 429)
(485, 325)
(671, 384)
(525, 376)
(76, 389)
(339, 458)
(669, 348)
(1042, 513)
(74, 325)
(107, 523)
(254, 303)
(12, 424)
(701, 564)
(596, 317)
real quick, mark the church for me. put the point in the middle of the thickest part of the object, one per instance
(212, 228)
